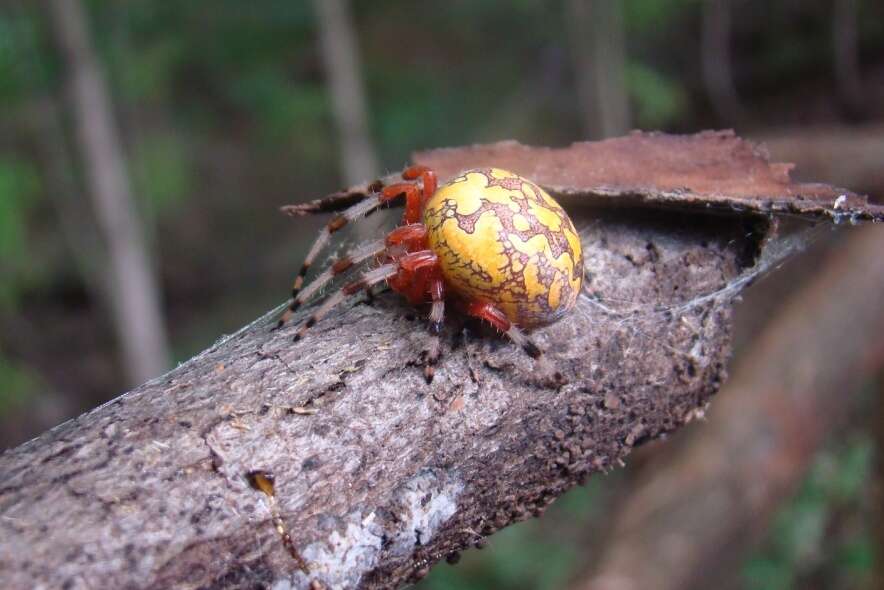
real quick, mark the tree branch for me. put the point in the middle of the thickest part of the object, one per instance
(377, 475)
(697, 513)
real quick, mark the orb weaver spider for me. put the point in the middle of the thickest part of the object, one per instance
(491, 242)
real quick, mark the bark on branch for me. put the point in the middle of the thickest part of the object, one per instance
(377, 475)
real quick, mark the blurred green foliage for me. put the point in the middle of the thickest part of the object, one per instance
(648, 16)
(17, 384)
(161, 172)
(26, 66)
(802, 538)
(19, 188)
(658, 99)
(526, 555)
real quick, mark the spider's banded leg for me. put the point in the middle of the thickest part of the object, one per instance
(437, 314)
(342, 264)
(353, 213)
(496, 318)
(369, 278)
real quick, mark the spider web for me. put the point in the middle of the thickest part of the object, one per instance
(608, 242)
(652, 316)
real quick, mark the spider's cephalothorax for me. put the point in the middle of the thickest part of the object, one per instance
(492, 242)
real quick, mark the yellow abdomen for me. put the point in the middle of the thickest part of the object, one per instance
(502, 239)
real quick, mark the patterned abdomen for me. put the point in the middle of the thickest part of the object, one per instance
(502, 239)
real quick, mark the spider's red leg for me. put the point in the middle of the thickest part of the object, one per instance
(367, 279)
(413, 206)
(437, 314)
(342, 264)
(427, 176)
(414, 274)
(496, 318)
(417, 290)
(411, 234)
(417, 260)
(415, 199)
(418, 274)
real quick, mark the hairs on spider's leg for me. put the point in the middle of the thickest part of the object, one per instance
(340, 265)
(368, 279)
(353, 213)
(523, 340)
(437, 314)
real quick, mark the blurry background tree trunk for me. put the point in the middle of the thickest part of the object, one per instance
(342, 70)
(75, 222)
(715, 50)
(599, 54)
(845, 43)
(843, 155)
(133, 294)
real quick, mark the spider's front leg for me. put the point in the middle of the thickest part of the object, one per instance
(545, 372)
(415, 196)
(342, 264)
(419, 276)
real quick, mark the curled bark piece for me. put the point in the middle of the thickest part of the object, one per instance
(712, 170)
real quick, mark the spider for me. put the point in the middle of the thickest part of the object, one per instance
(490, 242)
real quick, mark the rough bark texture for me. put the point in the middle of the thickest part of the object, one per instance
(377, 474)
(389, 474)
(698, 512)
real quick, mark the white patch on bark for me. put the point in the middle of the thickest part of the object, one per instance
(422, 507)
